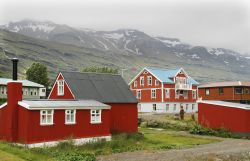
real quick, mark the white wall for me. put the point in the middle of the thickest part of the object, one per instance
(161, 107)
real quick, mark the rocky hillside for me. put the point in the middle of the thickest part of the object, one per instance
(124, 48)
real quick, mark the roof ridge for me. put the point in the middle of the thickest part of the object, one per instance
(163, 68)
(89, 73)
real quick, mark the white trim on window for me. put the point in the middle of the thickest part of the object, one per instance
(95, 116)
(167, 93)
(153, 93)
(207, 91)
(142, 81)
(70, 117)
(60, 87)
(46, 117)
(135, 83)
(149, 80)
(156, 82)
(194, 94)
(138, 94)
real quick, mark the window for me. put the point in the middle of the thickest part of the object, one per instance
(145, 72)
(193, 107)
(60, 87)
(46, 117)
(31, 92)
(5, 90)
(221, 91)
(138, 94)
(95, 116)
(142, 81)
(174, 107)
(167, 107)
(153, 93)
(194, 94)
(238, 90)
(176, 94)
(139, 107)
(207, 92)
(149, 80)
(156, 82)
(135, 83)
(187, 107)
(70, 116)
(154, 107)
(35, 92)
(2, 90)
(247, 91)
(167, 93)
(26, 91)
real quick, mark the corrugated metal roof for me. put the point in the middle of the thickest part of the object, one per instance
(107, 88)
(165, 74)
(226, 104)
(225, 84)
(63, 104)
(26, 83)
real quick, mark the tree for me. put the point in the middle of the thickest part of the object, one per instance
(38, 73)
(96, 69)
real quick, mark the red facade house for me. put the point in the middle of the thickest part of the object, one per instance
(110, 89)
(237, 91)
(220, 114)
(164, 90)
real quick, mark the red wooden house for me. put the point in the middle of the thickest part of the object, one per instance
(36, 123)
(164, 90)
(237, 91)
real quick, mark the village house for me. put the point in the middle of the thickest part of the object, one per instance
(75, 109)
(31, 90)
(164, 90)
(237, 91)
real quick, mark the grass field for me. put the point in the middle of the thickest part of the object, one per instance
(152, 140)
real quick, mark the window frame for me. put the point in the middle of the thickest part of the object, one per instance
(167, 93)
(46, 117)
(149, 78)
(153, 97)
(60, 93)
(207, 91)
(70, 114)
(156, 82)
(138, 91)
(194, 95)
(242, 92)
(142, 81)
(221, 90)
(135, 83)
(95, 121)
(154, 107)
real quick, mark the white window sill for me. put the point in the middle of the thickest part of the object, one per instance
(95, 122)
(60, 94)
(70, 123)
(49, 124)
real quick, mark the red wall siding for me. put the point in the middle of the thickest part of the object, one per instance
(30, 130)
(124, 118)
(67, 92)
(215, 116)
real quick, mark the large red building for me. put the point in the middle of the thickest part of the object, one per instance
(226, 91)
(164, 90)
(75, 109)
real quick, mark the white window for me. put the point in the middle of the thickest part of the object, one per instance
(31, 92)
(5, 90)
(70, 116)
(138, 94)
(207, 92)
(149, 80)
(35, 92)
(156, 82)
(185, 94)
(167, 107)
(186, 107)
(60, 87)
(46, 117)
(135, 83)
(174, 107)
(176, 94)
(193, 107)
(139, 107)
(154, 107)
(194, 94)
(95, 116)
(167, 93)
(153, 93)
(142, 81)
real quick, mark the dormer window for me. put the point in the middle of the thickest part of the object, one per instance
(60, 87)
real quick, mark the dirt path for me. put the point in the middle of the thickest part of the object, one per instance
(225, 147)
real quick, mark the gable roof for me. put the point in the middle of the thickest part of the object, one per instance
(26, 83)
(225, 84)
(164, 75)
(107, 88)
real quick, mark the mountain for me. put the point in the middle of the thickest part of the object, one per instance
(62, 47)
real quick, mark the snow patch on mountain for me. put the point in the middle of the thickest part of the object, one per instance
(115, 36)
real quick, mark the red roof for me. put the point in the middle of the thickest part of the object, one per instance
(225, 84)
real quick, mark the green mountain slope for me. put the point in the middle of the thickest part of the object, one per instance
(59, 56)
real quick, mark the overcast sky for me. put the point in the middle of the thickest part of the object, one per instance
(212, 23)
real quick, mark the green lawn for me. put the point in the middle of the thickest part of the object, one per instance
(152, 140)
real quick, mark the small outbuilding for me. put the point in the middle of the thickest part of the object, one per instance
(220, 114)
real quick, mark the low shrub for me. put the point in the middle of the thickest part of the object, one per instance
(177, 125)
(73, 156)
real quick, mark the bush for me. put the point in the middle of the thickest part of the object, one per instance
(222, 132)
(73, 156)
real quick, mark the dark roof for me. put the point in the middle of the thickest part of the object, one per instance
(226, 84)
(106, 88)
